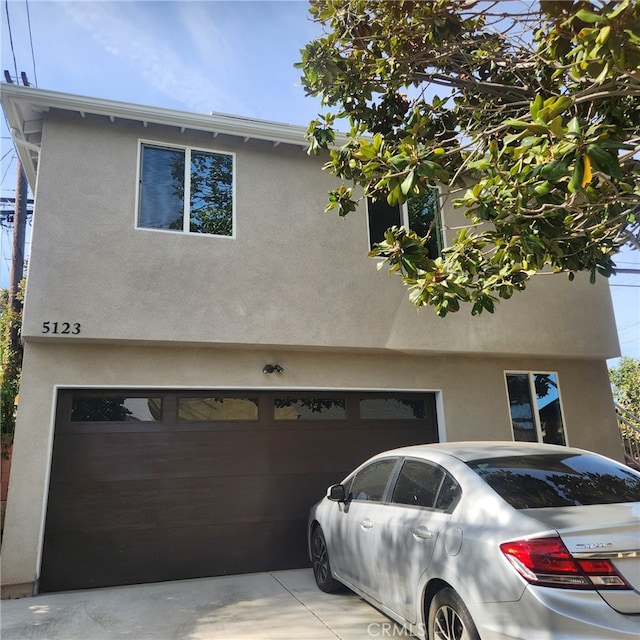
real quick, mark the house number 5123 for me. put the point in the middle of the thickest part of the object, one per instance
(63, 328)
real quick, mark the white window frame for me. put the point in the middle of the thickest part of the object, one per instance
(533, 397)
(186, 218)
(404, 217)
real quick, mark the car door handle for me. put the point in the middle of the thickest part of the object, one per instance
(366, 524)
(422, 533)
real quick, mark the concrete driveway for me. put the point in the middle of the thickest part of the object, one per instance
(283, 605)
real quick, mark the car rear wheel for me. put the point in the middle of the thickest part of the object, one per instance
(321, 564)
(449, 618)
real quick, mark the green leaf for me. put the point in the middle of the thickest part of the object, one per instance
(589, 17)
(481, 165)
(394, 196)
(575, 184)
(574, 127)
(529, 126)
(542, 188)
(535, 106)
(607, 163)
(556, 127)
(604, 34)
(557, 106)
(407, 183)
(517, 124)
(399, 162)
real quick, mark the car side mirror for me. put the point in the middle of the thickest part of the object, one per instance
(337, 493)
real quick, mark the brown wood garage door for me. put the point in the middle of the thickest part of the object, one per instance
(148, 487)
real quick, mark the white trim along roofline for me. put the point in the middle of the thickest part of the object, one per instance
(25, 107)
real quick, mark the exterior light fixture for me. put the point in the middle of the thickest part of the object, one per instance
(270, 368)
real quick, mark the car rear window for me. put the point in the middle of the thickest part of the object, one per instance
(558, 480)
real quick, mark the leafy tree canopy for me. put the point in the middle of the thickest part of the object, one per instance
(625, 379)
(10, 365)
(535, 128)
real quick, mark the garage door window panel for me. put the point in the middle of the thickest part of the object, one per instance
(393, 409)
(316, 408)
(114, 409)
(217, 408)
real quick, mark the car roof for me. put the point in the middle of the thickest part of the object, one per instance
(476, 450)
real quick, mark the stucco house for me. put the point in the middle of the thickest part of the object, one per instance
(206, 350)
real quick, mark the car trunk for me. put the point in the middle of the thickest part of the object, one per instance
(609, 532)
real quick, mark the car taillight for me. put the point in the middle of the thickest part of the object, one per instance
(546, 561)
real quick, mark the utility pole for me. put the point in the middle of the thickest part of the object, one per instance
(17, 248)
(12, 358)
(19, 229)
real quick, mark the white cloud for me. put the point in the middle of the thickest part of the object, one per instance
(150, 45)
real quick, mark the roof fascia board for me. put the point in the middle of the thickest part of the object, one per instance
(215, 123)
(24, 150)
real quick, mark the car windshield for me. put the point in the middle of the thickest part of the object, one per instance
(558, 480)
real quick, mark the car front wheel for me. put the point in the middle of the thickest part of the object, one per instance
(449, 619)
(321, 565)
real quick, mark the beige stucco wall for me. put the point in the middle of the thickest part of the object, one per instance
(292, 276)
(473, 404)
(169, 310)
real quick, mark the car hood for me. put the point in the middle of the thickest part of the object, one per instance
(608, 531)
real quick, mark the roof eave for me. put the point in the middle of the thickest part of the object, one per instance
(18, 102)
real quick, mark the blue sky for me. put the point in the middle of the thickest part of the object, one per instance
(230, 56)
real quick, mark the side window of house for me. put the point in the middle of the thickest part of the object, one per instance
(371, 482)
(186, 190)
(534, 404)
(421, 214)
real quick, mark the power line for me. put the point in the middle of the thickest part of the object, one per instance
(33, 56)
(13, 53)
(5, 173)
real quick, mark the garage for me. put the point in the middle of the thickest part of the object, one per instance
(148, 486)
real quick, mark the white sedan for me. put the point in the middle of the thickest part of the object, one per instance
(487, 540)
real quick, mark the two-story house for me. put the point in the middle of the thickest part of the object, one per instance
(206, 350)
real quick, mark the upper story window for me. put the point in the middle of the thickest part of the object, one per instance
(421, 213)
(186, 189)
(534, 404)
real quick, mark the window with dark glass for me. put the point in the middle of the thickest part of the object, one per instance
(217, 408)
(448, 495)
(534, 405)
(312, 408)
(421, 213)
(382, 216)
(558, 480)
(187, 190)
(370, 483)
(418, 484)
(393, 409)
(421, 484)
(111, 409)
